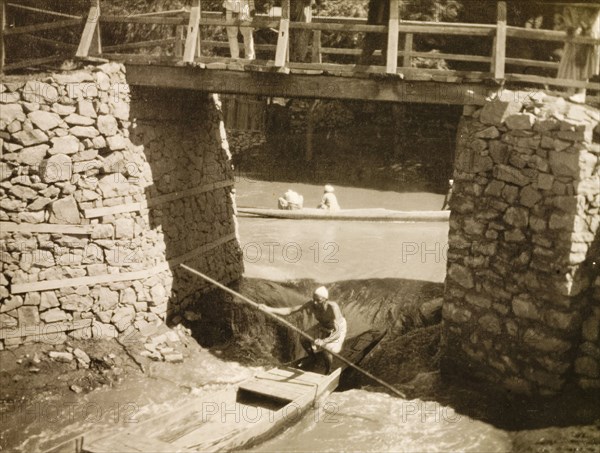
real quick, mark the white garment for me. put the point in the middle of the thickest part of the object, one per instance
(329, 202)
(232, 35)
(336, 346)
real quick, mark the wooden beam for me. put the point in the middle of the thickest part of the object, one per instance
(35, 62)
(316, 55)
(156, 201)
(340, 68)
(193, 32)
(532, 63)
(392, 47)
(47, 285)
(551, 81)
(172, 12)
(50, 42)
(305, 86)
(46, 228)
(548, 35)
(500, 43)
(44, 11)
(153, 20)
(140, 45)
(90, 43)
(433, 28)
(41, 27)
(408, 47)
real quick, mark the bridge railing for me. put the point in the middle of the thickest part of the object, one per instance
(186, 45)
(30, 34)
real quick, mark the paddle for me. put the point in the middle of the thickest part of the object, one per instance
(293, 327)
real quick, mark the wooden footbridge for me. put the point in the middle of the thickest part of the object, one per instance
(186, 60)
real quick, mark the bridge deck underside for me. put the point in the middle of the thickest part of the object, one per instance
(357, 86)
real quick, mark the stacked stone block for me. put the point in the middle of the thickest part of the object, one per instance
(523, 244)
(83, 251)
(244, 141)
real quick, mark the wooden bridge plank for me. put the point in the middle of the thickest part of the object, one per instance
(42, 27)
(298, 85)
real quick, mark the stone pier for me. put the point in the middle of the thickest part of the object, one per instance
(522, 295)
(104, 191)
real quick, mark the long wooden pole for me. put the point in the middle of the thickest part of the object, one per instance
(292, 327)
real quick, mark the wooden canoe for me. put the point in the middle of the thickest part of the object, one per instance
(234, 418)
(371, 215)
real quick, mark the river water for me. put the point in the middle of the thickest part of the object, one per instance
(327, 252)
(381, 255)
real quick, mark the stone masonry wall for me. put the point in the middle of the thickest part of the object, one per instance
(523, 245)
(97, 212)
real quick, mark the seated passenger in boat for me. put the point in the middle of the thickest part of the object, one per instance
(329, 200)
(329, 333)
(291, 200)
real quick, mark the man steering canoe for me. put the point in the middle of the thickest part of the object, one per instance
(329, 333)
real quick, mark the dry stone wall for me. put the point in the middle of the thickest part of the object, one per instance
(521, 298)
(98, 210)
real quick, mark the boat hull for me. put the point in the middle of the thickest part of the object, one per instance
(370, 215)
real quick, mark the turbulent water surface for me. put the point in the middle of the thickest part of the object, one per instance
(386, 264)
(327, 252)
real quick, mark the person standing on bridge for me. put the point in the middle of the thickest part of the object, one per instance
(580, 61)
(329, 333)
(243, 10)
(301, 11)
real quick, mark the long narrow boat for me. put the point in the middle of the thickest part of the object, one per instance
(234, 418)
(371, 215)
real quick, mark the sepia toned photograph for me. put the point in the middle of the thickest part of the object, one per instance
(299, 226)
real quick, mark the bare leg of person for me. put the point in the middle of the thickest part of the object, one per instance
(232, 36)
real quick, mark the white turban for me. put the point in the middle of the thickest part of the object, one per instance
(322, 292)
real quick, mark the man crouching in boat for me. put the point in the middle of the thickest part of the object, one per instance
(329, 333)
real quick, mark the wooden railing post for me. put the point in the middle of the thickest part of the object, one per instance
(179, 41)
(499, 51)
(90, 43)
(316, 47)
(193, 31)
(2, 27)
(283, 40)
(408, 48)
(392, 47)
